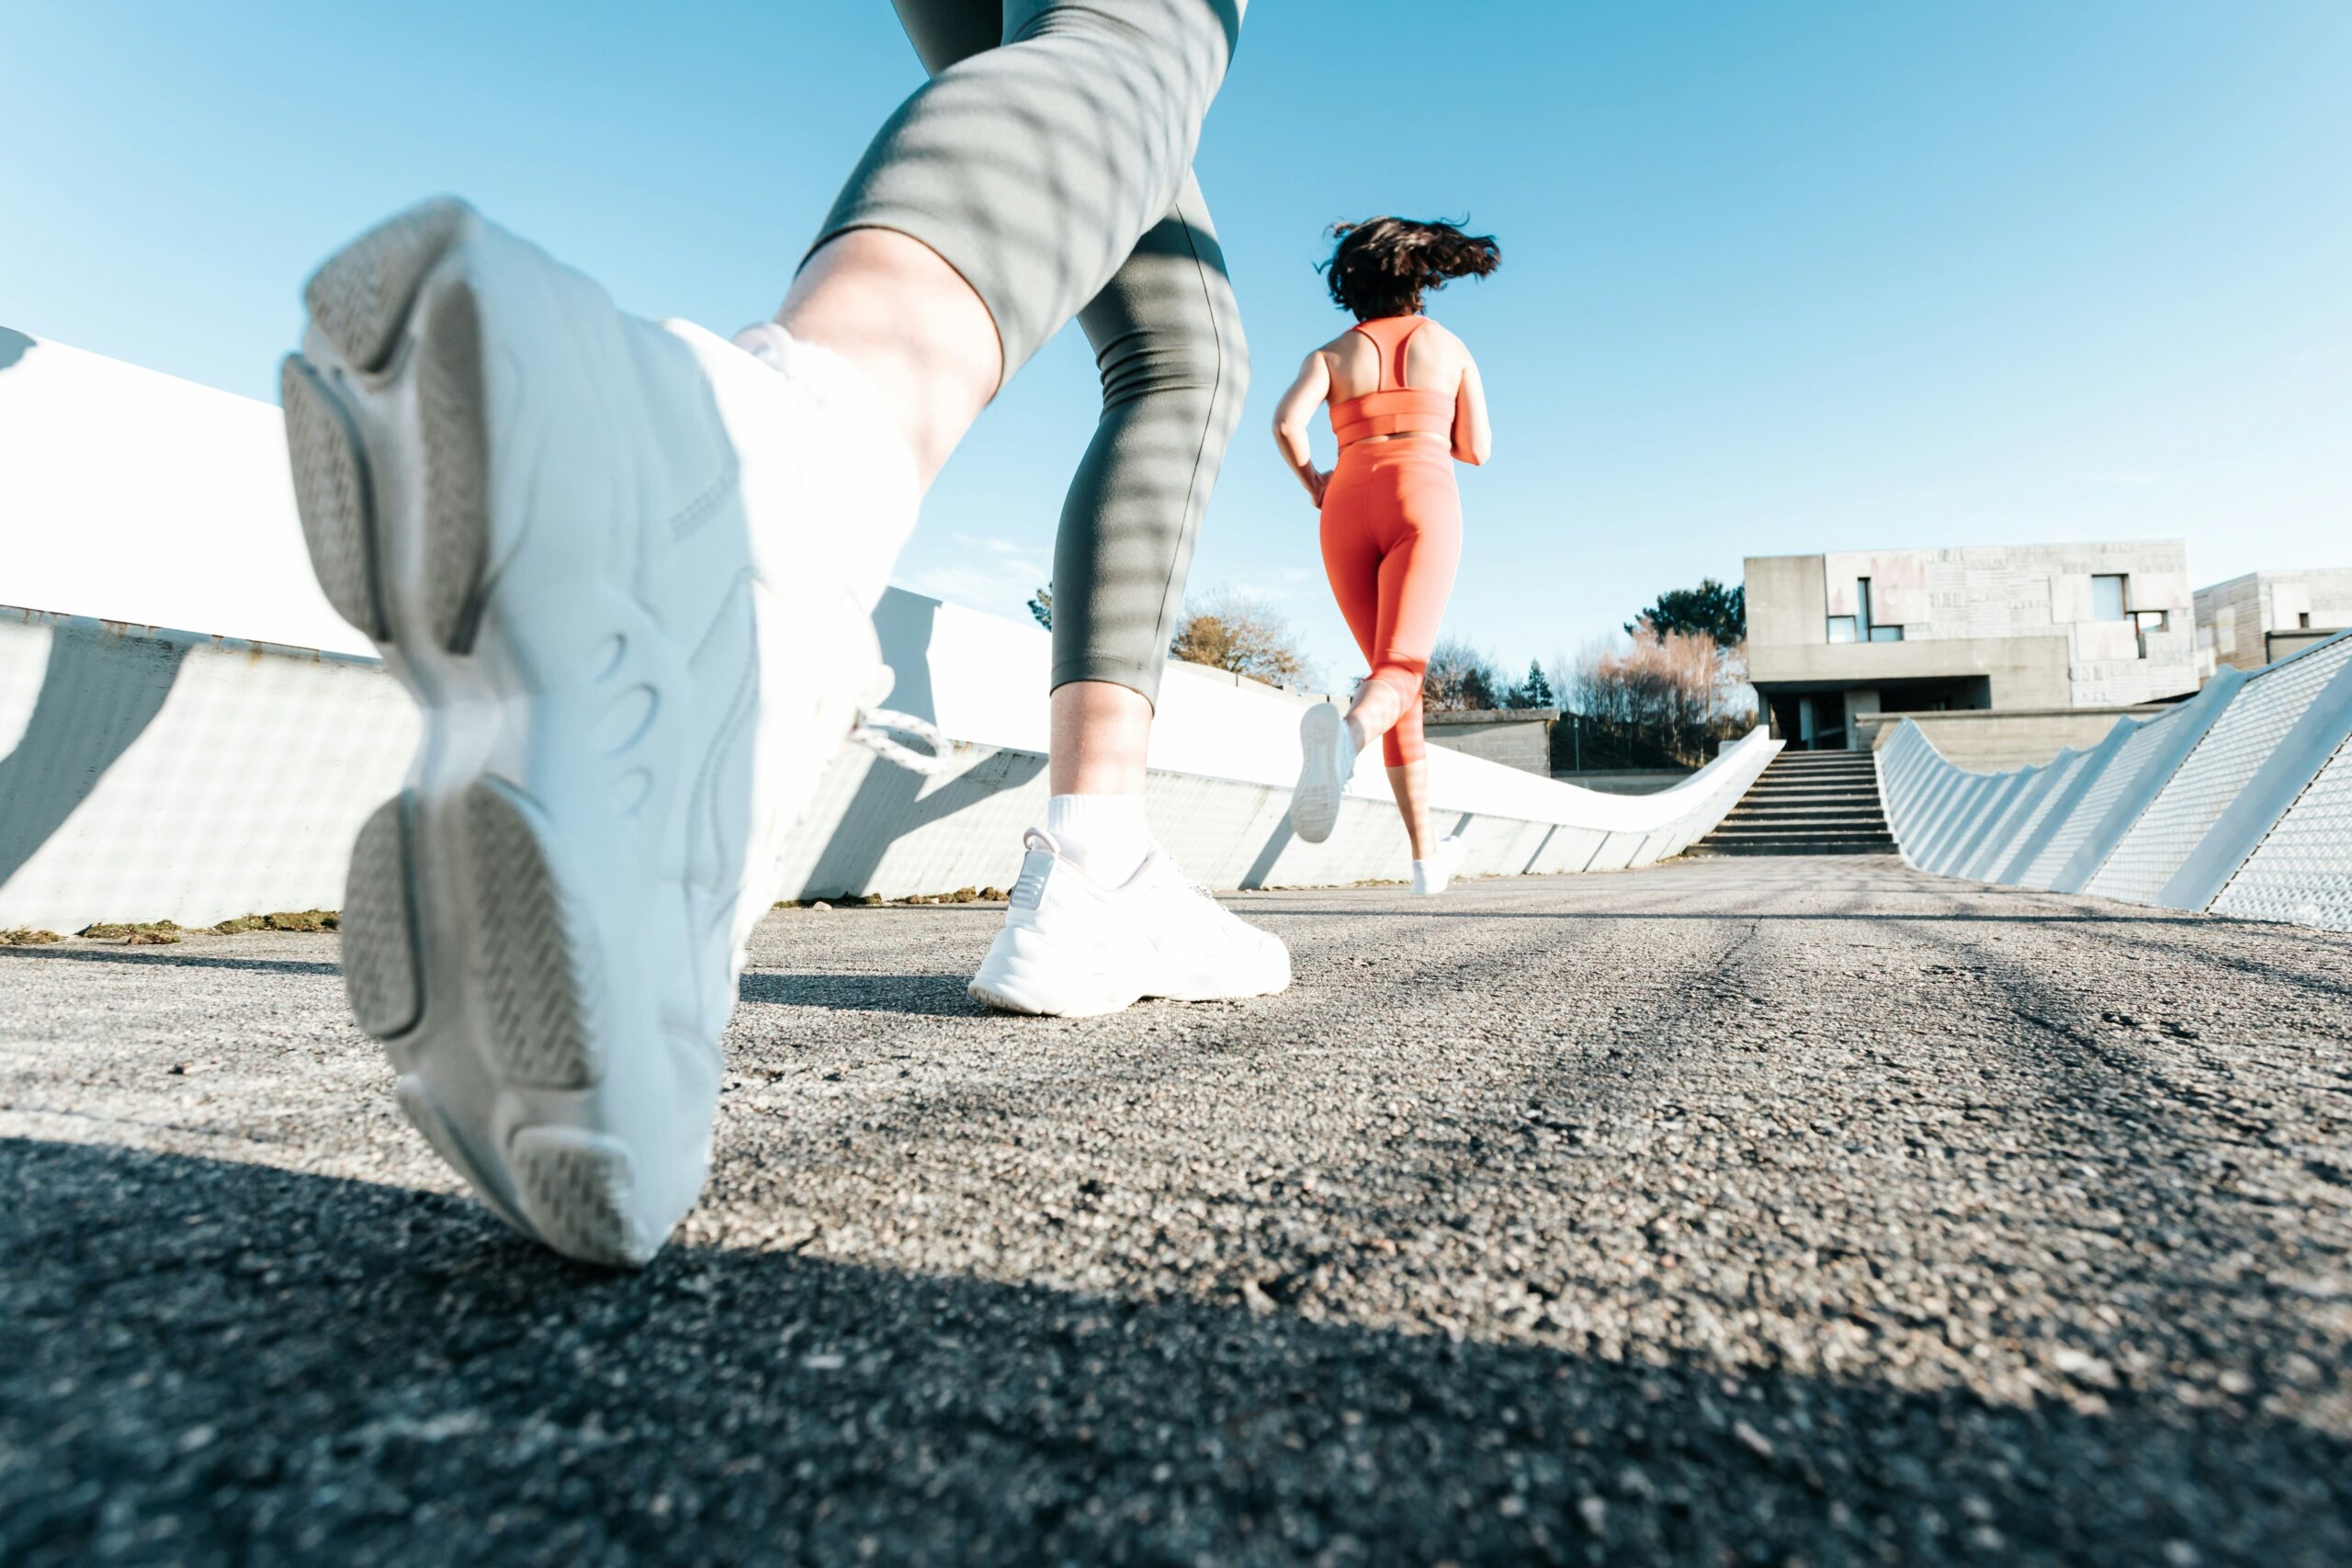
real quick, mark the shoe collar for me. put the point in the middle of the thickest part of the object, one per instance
(1037, 841)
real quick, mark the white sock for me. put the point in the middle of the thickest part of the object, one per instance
(857, 474)
(1436, 874)
(1103, 833)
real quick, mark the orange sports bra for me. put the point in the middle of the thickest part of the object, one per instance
(1392, 410)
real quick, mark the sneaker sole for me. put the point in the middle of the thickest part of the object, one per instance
(1314, 801)
(469, 945)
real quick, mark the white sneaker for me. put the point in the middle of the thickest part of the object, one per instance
(563, 526)
(1072, 947)
(1328, 761)
(1432, 875)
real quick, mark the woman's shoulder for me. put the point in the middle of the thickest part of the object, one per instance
(1438, 332)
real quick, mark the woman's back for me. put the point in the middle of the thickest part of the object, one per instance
(1434, 359)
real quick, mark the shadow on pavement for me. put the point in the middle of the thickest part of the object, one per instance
(939, 995)
(159, 955)
(221, 1363)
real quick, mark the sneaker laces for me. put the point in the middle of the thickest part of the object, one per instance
(874, 729)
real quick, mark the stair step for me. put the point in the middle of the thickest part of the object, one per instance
(1785, 838)
(1845, 811)
(1801, 830)
(1828, 810)
(1703, 850)
(1806, 803)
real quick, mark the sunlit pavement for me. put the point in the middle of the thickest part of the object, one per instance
(1744, 1211)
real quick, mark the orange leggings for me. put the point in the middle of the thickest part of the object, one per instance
(1392, 537)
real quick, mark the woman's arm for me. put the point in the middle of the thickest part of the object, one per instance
(1474, 438)
(1297, 407)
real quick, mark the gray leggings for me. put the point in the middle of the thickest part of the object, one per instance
(1049, 160)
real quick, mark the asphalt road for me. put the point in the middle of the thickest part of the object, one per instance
(1734, 1212)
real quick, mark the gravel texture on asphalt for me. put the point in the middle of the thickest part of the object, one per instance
(1731, 1212)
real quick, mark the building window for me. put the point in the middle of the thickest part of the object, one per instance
(2303, 620)
(2106, 598)
(1866, 626)
(2146, 621)
(1841, 628)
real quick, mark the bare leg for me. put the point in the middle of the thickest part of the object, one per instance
(1410, 785)
(891, 306)
(1100, 735)
(1376, 706)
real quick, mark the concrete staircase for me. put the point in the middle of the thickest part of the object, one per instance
(1806, 803)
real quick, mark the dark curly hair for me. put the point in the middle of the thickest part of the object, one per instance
(1383, 266)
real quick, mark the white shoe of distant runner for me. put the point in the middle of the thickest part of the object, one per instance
(1071, 946)
(612, 562)
(1432, 875)
(1327, 760)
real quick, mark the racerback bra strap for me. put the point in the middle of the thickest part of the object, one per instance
(1387, 373)
(1391, 407)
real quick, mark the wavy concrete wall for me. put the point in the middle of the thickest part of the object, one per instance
(2238, 801)
(150, 774)
(155, 774)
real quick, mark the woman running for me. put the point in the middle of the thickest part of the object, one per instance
(1406, 402)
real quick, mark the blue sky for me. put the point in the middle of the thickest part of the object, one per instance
(1776, 277)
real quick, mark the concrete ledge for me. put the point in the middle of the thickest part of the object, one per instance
(152, 775)
(1626, 781)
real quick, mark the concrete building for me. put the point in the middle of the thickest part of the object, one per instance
(2070, 633)
(2262, 617)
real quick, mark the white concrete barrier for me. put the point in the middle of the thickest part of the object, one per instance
(148, 773)
(152, 774)
(2238, 801)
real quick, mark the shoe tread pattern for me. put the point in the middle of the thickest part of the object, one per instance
(331, 496)
(360, 300)
(538, 967)
(379, 958)
(452, 415)
(576, 1187)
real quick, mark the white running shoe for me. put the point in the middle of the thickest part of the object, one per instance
(1072, 947)
(600, 555)
(1328, 761)
(1430, 876)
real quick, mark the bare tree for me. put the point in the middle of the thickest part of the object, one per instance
(1459, 677)
(1231, 631)
(1659, 697)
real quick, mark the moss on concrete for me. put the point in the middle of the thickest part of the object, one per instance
(301, 920)
(135, 933)
(145, 932)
